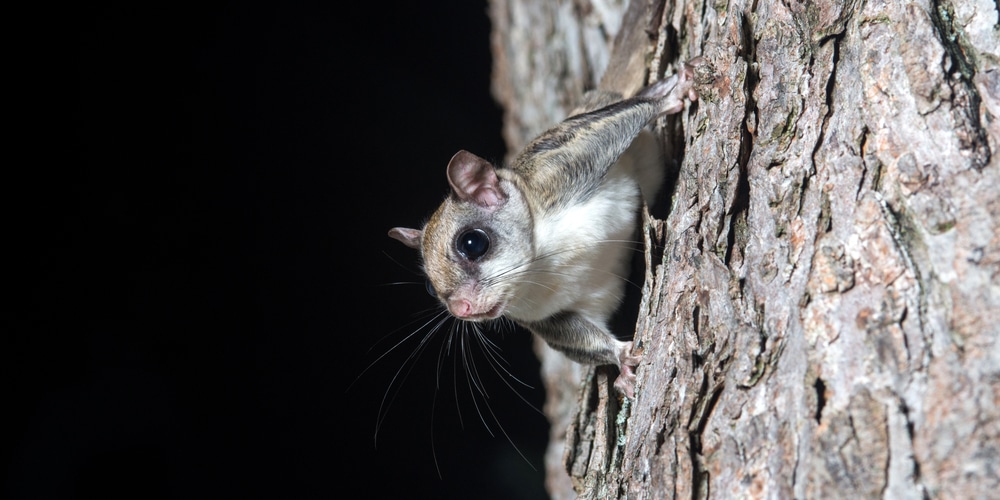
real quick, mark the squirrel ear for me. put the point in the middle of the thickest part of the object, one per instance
(473, 180)
(409, 237)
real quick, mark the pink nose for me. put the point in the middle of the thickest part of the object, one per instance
(460, 308)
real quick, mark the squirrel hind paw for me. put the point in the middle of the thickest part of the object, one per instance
(628, 362)
(625, 383)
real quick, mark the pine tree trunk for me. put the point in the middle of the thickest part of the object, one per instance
(822, 306)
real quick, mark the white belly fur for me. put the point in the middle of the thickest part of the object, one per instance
(582, 256)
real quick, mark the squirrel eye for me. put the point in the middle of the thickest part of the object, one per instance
(430, 288)
(473, 244)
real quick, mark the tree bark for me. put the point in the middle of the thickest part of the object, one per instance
(822, 301)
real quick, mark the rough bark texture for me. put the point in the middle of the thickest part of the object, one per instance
(822, 306)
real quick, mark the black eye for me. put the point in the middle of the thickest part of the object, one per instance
(473, 244)
(430, 288)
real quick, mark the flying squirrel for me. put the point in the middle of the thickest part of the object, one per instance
(547, 240)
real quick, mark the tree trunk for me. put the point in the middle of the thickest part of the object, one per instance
(822, 305)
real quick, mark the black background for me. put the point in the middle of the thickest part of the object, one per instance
(210, 288)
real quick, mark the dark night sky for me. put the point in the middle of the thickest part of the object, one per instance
(209, 271)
